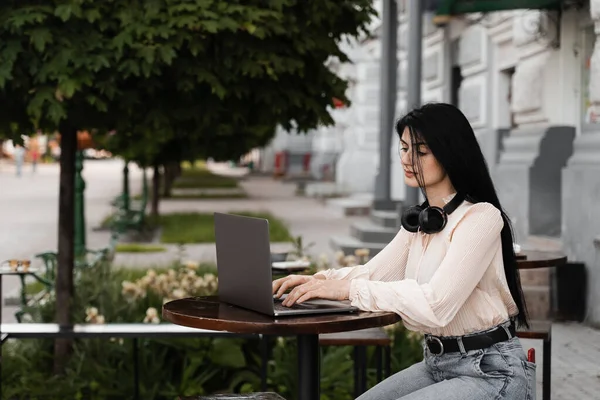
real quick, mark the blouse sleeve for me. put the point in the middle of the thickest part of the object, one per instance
(474, 243)
(389, 264)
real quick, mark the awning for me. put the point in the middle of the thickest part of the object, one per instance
(445, 9)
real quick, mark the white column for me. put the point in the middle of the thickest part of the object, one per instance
(595, 61)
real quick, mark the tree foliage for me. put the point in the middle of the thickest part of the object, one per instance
(212, 76)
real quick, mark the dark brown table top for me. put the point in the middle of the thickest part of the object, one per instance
(210, 313)
(541, 259)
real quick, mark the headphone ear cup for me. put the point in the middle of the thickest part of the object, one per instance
(432, 220)
(410, 218)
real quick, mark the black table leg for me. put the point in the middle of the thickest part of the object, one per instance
(379, 362)
(360, 370)
(264, 361)
(388, 361)
(547, 365)
(308, 367)
(136, 370)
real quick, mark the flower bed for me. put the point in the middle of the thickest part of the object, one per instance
(103, 369)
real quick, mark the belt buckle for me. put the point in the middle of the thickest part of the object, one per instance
(433, 339)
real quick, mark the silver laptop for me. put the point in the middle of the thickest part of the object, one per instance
(244, 269)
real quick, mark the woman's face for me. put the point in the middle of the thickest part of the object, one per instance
(430, 169)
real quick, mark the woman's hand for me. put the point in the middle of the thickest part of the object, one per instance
(318, 289)
(280, 286)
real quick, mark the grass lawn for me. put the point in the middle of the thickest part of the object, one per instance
(107, 221)
(33, 288)
(139, 248)
(208, 196)
(200, 177)
(199, 228)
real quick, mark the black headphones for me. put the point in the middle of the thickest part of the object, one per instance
(430, 219)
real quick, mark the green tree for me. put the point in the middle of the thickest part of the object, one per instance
(226, 94)
(224, 72)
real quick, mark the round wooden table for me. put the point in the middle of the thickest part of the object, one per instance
(541, 259)
(210, 313)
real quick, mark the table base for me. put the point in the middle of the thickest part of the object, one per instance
(308, 367)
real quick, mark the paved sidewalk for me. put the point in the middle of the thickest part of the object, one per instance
(29, 210)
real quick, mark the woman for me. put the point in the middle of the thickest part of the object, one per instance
(450, 272)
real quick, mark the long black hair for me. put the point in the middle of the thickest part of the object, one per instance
(451, 140)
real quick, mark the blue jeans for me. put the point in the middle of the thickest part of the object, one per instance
(500, 371)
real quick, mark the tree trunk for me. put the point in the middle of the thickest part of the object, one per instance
(169, 178)
(155, 192)
(166, 186)
(66, 242)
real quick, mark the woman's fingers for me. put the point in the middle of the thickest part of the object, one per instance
(293, 295)
(280, 286)
(284, 287)
(311, 294)
(277, 283)
(298, 292)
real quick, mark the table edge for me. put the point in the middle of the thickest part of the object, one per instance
(258, 328)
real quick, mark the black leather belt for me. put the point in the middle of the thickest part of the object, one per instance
(440, 345)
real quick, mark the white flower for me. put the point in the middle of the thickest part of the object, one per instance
(91, 312)
(200, 283)
(191, 264)
(145, 281)
(361, 252)
(349, 261)
(99, 319)
(151, 312)
(186, 284)
(339, 257)
(178, 294)
(151, 316)
(191, 274)
(27, 317)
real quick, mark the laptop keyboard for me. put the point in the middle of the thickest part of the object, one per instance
(279, 307)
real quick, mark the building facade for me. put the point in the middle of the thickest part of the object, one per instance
(529, 83)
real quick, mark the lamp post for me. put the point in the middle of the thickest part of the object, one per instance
(126, 186)
(84, 141)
